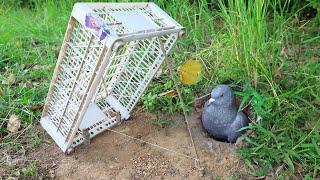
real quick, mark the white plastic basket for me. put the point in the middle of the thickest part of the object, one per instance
(108, 57)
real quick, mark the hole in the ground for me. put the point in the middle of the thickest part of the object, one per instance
(221, 139)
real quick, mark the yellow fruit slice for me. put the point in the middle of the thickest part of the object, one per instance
(190, 72)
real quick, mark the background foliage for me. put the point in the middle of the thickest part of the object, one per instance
(268, 50)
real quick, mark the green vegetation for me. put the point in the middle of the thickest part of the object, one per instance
(267, 49)
(166, 124)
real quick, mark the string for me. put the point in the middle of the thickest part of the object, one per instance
(155, 145)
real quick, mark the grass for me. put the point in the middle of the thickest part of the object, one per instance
(288, 85)
(263, 48)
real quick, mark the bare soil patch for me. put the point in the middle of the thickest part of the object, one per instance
(113, 156)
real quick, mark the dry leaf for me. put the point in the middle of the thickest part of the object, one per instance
(283, 52)
(36, 107)
(27, 84)
(36, 67)
(277, 72)
(159, 80)
(316, 101)
(13, 124)
(11, 79)
(171, 93)
(29, 65)
(2, 91)
(41, 67)
(240, 142)
(310, 125)
(35, 83)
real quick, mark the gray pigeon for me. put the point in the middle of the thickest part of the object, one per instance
(220, 117)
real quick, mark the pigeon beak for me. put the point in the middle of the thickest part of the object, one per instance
(211, 100)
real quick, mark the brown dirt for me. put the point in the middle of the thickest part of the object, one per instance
(113, 156)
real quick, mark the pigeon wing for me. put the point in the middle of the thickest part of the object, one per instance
(234, 132)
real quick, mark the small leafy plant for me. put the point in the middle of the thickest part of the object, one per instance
(166, 123)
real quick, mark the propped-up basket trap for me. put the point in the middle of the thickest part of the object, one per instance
(108, 57)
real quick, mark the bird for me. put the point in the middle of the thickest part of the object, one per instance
(220, 116)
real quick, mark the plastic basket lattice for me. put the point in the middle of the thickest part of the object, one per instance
(108, 57)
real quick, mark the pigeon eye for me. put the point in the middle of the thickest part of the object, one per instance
(221, 95)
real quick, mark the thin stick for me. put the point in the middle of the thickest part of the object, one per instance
(201, 97)
(197, 162)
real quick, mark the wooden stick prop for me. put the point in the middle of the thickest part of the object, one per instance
(197, 162)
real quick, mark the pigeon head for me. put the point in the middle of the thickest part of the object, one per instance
(222, 95)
